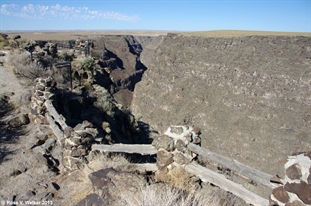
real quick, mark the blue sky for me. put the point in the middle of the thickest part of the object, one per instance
(176, 15)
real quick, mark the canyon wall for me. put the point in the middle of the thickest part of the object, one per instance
(250, 95)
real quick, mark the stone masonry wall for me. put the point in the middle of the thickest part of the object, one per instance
(295, 182)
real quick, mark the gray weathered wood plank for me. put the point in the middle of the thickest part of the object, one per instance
(50, 108)
(256, 175)
(220, 180)
(58, 133)
(145, 167)
(127, 148)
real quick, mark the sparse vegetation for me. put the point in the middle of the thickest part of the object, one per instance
(3, 42)
(65, 56)
(26, 69)
(172, 187)
(154, 194)
(86, 63)
(177, 178)
(165, 195)
(5, 106)
(105, 102)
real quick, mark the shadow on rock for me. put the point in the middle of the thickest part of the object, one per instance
(8, 136)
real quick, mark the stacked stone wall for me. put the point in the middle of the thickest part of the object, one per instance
(295, 182)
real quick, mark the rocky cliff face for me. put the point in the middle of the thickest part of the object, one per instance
(117, 57)
(250, 95)
(128, 69)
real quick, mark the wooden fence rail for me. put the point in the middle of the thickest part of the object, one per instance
(51, 109)
(127, 148)
(58, 126)
(56, 122)
(220, 180)
(234, 165)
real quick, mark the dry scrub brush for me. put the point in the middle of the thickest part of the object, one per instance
(24, 68)
(86, 63)
(176, 177)
(176, 188)
(165, 195)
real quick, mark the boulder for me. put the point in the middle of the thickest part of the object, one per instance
(180, 145)
(181, 159)
(302, 190)
(108, 183)
(164, 158)
(293, 172)
(164, 142)
(33, 142)
(196, 140)
(176, 129)
(49, 144)
(19, 121)
(83, 125)
(68, 131)
(280, 194)
(92, 200)
(197, 130)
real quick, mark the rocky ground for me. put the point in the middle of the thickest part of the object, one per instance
(32, 172)
(249, 95)
(31, 163)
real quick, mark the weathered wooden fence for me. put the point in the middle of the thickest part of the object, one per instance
(234, 165)
(205, 174)
(58, 126)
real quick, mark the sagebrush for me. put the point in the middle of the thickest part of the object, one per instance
(165, 195)
(26, 69)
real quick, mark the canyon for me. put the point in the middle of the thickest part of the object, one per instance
(247, 93)
(250, 94)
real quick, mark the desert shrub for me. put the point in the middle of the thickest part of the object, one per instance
(99, 160)
(86, 63)
(176, 177)
(5, 106)
(165, 195)
(96, 55)
(3, 42)
(26, 69)
(13, 43)
(65, 56)
(105, 101)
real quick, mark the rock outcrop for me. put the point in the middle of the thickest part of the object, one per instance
(250, 95)
(109, 183)
(116, 66)
(295, 188)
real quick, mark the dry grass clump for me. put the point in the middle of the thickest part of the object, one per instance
(78, 179)
(99, 161)
(165, 195)
(175, 188)
(176, 177)
(65, 56)
(4, 42)
(86, 63)
(24, 68)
